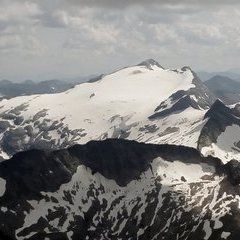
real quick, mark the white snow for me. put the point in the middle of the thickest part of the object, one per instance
(91, 106)
(4, 209)
(225, 148)
(207, 230)
(2, 186)
(225, 235)
(188, 122)
(177, 169)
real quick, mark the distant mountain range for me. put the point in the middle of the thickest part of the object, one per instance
(224, 88)
(9, 89)
(204, 76)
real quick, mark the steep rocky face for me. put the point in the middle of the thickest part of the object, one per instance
(197, 97)
(38, 131)
(150, 63)
(118, 189)
(219, 117)
(220, 134)
(233, 170)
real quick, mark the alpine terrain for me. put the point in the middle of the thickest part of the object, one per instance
(119, 189)
(141, 153)
(146, 103)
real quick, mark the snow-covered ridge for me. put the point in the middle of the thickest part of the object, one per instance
(137, 90)
(117, 105)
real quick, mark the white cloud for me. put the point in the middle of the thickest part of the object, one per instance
(15, 44)
(9, 41)
(83, 22)
(201, 33)
(19, 12)
(73, 38)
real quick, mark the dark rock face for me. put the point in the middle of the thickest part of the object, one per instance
(218, 109)
(198, 97)
(132, 158)
(149, 63)
(36, 132)
(233, 170)
(219, 117)
(32, 167)
(117, 159)
(236, 110)
(204, 96)
(95, 79)
(180, 105)
(149, 128)
(60, 194)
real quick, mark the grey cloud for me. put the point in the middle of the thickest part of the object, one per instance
(126, 3)
(67, 37)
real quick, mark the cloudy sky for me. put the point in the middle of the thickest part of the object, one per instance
(43, 39)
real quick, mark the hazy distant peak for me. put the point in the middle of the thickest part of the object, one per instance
(220, 77)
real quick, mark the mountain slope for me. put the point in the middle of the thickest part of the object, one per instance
(224, 88)
(220, 135)
(118, 189)
(144, 102)
(197, 97)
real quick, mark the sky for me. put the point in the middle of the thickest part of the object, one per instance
(45, 39)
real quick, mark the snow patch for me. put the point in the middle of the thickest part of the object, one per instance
(2, 186)
(227, 146)
(225, 235)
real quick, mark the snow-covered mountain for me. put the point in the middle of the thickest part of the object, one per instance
(144, 102)
(220, 135)
(118, 189)
(177, 180)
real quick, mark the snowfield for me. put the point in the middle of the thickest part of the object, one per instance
(116, 106)
(227, 146)
(2, 186)
(134, 91)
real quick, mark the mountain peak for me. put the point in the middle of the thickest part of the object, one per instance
(218, 108)
(185, 68)
(149, 63)
(218, 76)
